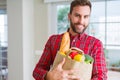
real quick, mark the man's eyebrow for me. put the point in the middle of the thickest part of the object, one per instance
(80, 14)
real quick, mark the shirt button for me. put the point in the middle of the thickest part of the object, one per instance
(73, 40)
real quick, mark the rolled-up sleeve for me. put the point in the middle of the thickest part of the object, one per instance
(99, 67)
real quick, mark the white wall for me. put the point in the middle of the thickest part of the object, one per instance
(20, 39)
(41, 23)
(28, 32)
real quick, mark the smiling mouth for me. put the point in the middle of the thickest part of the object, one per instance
(79, 26)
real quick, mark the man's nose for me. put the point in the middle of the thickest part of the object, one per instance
(81, 20)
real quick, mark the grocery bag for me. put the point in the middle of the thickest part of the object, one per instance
(84, 68)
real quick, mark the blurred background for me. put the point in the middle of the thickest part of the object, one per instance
(25, 26)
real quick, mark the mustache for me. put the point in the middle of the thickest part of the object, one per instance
(78, 23)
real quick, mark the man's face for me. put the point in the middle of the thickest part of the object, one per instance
(79, 18)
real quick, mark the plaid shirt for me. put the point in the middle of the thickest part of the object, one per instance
(90, 45)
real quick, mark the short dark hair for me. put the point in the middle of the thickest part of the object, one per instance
(79, 3)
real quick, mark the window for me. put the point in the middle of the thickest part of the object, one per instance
(3, 45)
(62, 18)
(104, 23)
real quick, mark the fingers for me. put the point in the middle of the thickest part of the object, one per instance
(65, 74)
(73, 77)
(69, 72)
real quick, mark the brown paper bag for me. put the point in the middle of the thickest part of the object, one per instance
(85, 70)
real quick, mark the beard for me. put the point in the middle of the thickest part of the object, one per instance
(75, 29)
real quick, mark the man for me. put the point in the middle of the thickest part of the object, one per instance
(79, 19)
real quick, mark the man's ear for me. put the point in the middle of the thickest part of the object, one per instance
(68, 16)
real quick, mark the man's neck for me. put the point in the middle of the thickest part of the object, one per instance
(72, 33)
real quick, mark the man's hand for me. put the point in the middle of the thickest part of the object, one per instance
(59, 74)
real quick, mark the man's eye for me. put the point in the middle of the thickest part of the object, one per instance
(77, 15)
(86, 16)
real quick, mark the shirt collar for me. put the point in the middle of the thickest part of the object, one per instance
(79, 36)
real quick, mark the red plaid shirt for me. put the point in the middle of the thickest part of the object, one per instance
(88, 44)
